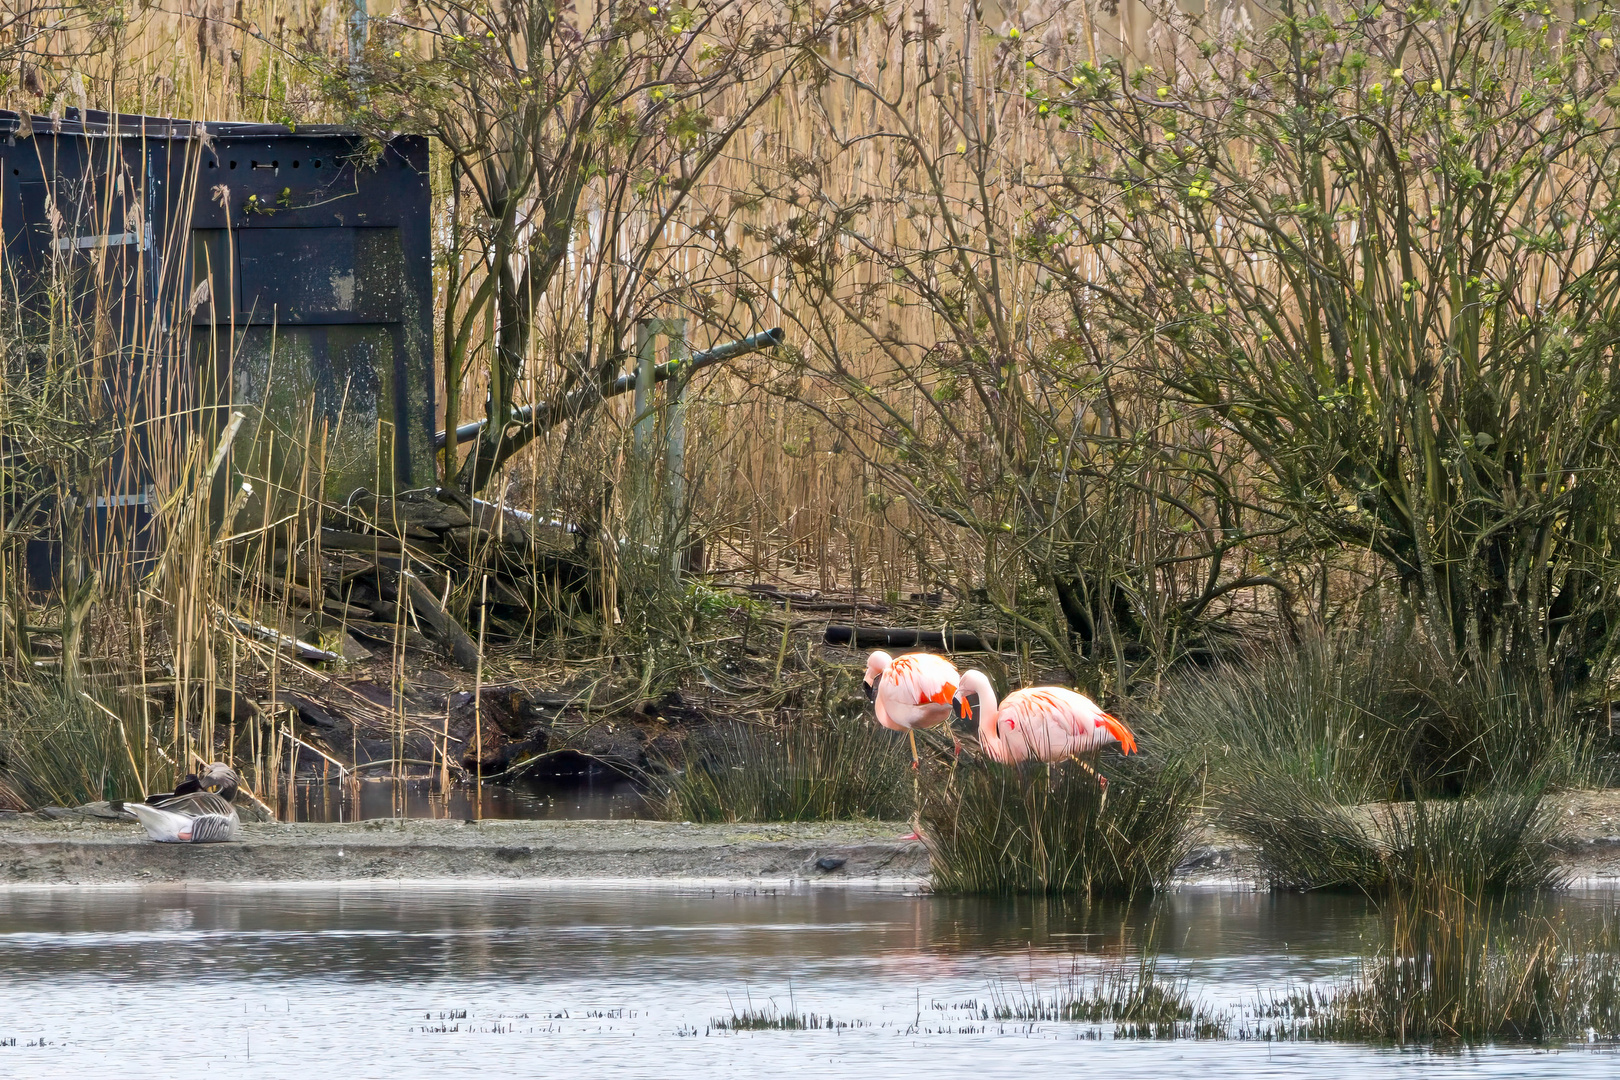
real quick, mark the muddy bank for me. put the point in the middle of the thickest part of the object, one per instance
(34, 851)
(96, 852)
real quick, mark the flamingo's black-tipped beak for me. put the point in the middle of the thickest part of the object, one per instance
(871, 691)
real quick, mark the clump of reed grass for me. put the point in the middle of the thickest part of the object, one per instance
(1453, 970)
(1049, 829)
(59, 748)
(1312, 715)
(807, 771)
(1493, 842)
(1369, 716)
(1141, 999)
(1352, 761)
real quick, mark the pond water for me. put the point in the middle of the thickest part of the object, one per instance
(588, 795)
(529, 981)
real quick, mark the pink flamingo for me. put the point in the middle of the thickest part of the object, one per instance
(1041, 723)
(913, 691)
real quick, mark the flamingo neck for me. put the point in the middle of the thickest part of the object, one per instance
(976, 683)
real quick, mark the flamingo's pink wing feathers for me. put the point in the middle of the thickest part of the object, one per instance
(917, 691)
(924, 679)
(1060, 722)
(1035, 726)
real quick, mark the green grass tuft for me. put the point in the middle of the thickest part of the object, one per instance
(1139, 998)
(1352, 761)
(1369, 718)
(58, 749)
(1493, 842)
(769, 1019)
(834, 769)
(1047, 829)
(1453, 970)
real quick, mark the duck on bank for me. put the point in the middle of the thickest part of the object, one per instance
(200, 810)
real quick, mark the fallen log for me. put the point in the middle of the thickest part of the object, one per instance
(422, 511)
(463, 649)
(286, 642)
(892, 637)
(803, 601)
(382, 634)
(339, 540)
(302, 595)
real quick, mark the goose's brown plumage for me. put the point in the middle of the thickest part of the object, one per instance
(217, 778)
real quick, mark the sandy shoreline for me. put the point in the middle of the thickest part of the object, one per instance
(35, 852)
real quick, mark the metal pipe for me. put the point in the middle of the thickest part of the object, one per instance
(765, 339)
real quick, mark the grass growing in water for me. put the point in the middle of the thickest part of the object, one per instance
(769, 1019)
(842, 768)
(1000, 830)
(1142, 1000)
(1454, 970)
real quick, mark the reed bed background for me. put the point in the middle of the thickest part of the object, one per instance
(796, 478)
(1063, 362)
(776, 491)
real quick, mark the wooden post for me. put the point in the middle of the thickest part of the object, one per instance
(357, 31)
(680, 358)
(646, 346)
(644, 427)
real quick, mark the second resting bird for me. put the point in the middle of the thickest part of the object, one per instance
(197, 811)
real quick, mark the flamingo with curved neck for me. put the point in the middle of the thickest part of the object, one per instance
(1039, 723)
(915, 690)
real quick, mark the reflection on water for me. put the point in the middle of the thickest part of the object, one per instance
(526, 980)
(590, 795)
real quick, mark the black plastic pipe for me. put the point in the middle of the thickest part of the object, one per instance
(895, 637)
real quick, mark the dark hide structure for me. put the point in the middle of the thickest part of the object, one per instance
(202, 269)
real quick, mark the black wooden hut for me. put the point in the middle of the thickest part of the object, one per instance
(208, 268)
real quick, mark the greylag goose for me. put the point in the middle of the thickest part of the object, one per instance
(197, 811)
(218, 778)
(199, 818)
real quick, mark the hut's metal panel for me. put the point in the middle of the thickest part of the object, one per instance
(287, 274)
(312, 270)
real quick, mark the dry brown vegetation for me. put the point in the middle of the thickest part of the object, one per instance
(780, 487)
(1130, 336)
